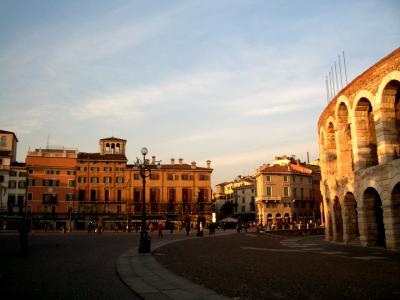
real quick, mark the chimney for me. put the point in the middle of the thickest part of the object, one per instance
(153, 159)
(181, 161)
(193, 165)
(308, 157)
(208, 164)
(172, 161)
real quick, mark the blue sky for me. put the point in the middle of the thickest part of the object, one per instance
(236, 82)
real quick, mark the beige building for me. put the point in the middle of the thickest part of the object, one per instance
(8, 152)
(235, 198)
(359, 141)
(287, 192)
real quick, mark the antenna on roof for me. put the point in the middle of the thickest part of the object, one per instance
(344, 63)
(337, 85)
(327, 89)
(340, 72)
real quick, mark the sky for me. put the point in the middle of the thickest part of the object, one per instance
(235, 82)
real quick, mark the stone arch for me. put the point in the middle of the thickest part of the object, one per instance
(392, 223)
(345, 152)
(350, 218)
(338, 220)
(321, 144)
(371, 223)
(117, 148)
(112, 148)
(107, 147)
(366, 136)
(269, 218)
(330, 149)
(389, 120)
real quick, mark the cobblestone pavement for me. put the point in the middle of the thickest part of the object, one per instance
(263, 266)
(71, 266)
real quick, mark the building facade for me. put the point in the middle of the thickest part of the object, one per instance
(8, 152)
(287, 193)
(359, 141)
(51, 187)
(70, 189)
(236, 198)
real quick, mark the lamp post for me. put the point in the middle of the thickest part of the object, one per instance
(145, 171)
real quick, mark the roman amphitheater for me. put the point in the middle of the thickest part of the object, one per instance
(359, 142)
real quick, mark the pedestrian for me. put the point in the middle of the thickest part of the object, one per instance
(65, 229)
(160, 229)
(187, 228)
(171, 228)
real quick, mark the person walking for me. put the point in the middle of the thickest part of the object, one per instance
(160, 229)
(187, 228)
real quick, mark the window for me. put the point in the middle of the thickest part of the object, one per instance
(12, 184)
(243, 200)
(285, 178)
(81, 168)
(69, 197)
(136, 176)
(71, 183)
(243, 208)
(94, 179)
(13, 173)
(171, 195)
(52, 172)
(107, 169)
(81, 179)
(106, 195)
(81, 195)
(136, 195)
(119, 179)
(269, 191)
(30, 171)
(119, 195)
(170, 176)
(301, 193)
(203, 177)
(186, 177)
(1, 178)
(286, 204)
(22, 174)
(154, 176)
(268, 178)
(294, 192)
(30, 196)
(3, 141)
(107, 179)
(93, 195)
(70, 173)
(50, 182)
(94, 169)
(11, 200)
(119, 169)
(21, 184)
(31, 182)
(49, 198)
(285, 191)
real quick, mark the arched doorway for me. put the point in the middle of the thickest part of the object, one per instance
(393, 241)
(350, 218)
(366, 136)
(345, 154)
(330, 150)
(390, 107)
(374, 228)
(337, 212)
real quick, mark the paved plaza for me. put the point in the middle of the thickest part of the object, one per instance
(221, 266)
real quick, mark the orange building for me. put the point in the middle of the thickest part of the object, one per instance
(51, 187)
(102, 180)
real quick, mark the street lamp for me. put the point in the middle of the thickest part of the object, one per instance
(145, 171)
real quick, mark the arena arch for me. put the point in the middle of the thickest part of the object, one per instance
(366, 149)
(350, 218)
(372, 228)
(330, 149)
(345, 151)
(338, 220)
